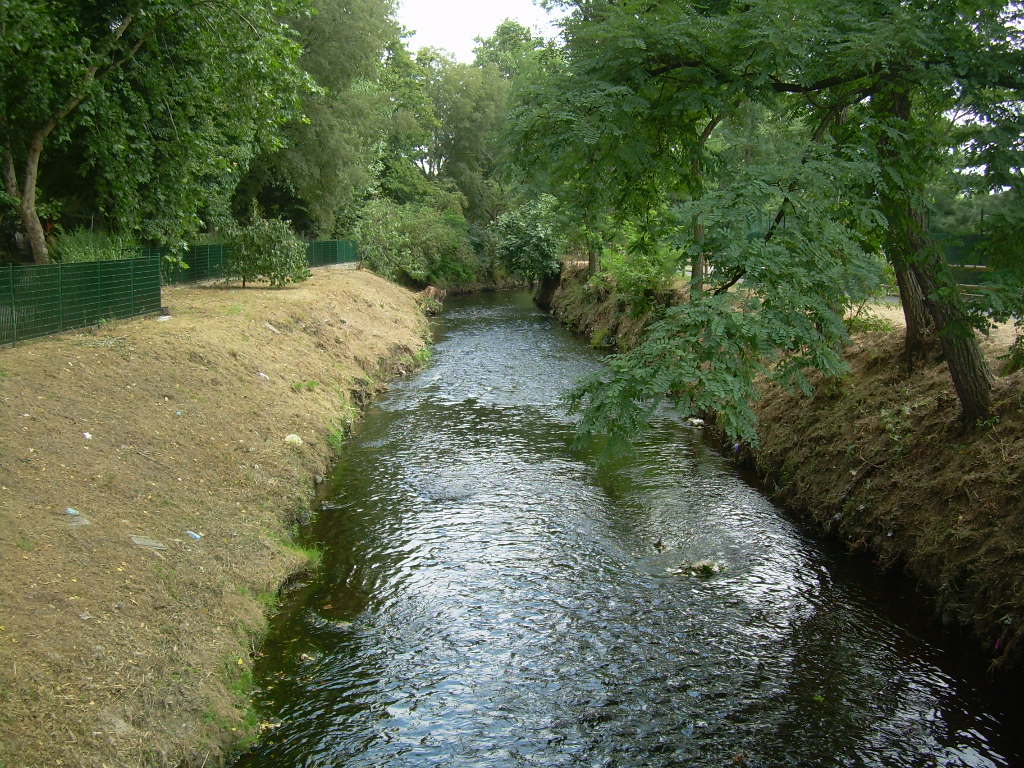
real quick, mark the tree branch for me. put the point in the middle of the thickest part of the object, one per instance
(816, 137)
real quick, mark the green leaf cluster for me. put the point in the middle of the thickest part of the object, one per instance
(265, 249)
(528, 241)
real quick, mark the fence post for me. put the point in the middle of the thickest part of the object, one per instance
(99, 291)
(14, 306)
(131, 287)
(60, 296)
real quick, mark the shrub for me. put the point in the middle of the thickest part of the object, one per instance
(528, 243)
(416, 244)
(265, 249)
(82, 245)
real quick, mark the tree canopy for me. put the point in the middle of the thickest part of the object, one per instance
(764, 163)
(790, 145)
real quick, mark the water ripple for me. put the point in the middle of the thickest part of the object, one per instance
(489, 597)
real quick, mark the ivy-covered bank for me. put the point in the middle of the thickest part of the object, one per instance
(875, 460)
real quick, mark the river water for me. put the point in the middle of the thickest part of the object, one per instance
(491, 597)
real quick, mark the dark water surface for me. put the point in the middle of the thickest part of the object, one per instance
(490, 598)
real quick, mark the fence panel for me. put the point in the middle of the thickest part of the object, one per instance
(966, 258)
(324, 252)
(37, 300)
(208, 262)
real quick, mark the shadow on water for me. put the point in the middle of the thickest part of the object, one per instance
(489, 597)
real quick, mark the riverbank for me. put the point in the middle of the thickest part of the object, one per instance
(147, 498)
(878, 461)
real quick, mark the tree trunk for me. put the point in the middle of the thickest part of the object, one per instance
(920, 329)
(972, 379)
(594, 259)
(10, 175)
(698, 265)
(11, 188)
(29, 215)
(911, 247)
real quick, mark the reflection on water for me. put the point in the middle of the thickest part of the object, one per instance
(489, 597)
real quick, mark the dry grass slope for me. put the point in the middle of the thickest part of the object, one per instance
(116, 654)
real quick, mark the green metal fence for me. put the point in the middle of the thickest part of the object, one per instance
(37, 300)
(966, 258)
(207, 262)
(324, 252)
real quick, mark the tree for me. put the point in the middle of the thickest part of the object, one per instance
(327, 163)
(641, 82)
(512, 50)
(265, 249)
(141, 88)
(528, 239)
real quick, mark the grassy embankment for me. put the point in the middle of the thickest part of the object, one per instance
(878, 460)
(122, 651)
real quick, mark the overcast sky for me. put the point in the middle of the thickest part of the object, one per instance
(452, 24)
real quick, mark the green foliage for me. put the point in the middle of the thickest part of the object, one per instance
(148, 112)
(704, 357)
(512, 49)
(1014, 357)
(784, 148)
(528, 242)
(864, 321)
(85, 245)
(265, 249)
(416, 244)
(309, 385)
(896, 423)
(639, 267)
(328, 161)
(311, 554)
(423, 357)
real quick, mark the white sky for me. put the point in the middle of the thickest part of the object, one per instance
(452, 24)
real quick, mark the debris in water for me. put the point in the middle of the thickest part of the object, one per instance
(87, 435)
(702, 568)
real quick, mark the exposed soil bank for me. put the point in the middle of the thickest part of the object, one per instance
(122, 652)
(878, 460)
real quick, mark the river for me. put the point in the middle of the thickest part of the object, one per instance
(490, 596)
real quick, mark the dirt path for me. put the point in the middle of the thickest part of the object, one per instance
(124, 639)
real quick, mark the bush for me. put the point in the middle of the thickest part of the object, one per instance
(416, 244)
(640, 274)
(265, 249)
(81, 245)
(528, 243)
